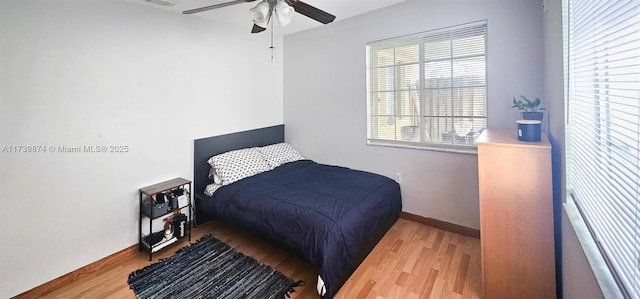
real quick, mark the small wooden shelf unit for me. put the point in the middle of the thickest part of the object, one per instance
(148, 192)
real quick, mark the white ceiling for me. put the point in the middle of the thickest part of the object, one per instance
(238, 15)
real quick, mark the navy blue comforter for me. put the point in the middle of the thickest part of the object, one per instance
(322, 212)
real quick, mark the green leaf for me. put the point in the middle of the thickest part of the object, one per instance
(526, 104)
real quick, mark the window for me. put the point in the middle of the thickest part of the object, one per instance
(428, 89)
(602, 47)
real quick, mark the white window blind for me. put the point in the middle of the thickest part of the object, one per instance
(603, 129)
(428, 89)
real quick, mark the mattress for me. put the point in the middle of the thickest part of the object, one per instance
(321, 212)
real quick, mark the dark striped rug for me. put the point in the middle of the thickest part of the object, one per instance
(210, 268)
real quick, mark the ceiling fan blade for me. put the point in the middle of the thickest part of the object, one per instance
(312, 12)
(201, 9)
(257, 29)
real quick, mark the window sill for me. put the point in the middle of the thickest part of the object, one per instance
(601, 271)
(471, 150)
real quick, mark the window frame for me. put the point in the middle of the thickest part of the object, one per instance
(421, 40)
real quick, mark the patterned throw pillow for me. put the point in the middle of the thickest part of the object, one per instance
(279, 153)
(236, 165)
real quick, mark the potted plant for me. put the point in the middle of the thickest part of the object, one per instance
(528, 108)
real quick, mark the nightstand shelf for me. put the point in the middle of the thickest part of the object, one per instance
(164, 200)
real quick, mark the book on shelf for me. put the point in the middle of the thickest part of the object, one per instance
(163, 243)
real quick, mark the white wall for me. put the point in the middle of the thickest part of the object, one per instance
(325, 95)
(79, 72)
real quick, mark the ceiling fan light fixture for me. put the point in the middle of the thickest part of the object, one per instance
(260, 14)
(285, 12)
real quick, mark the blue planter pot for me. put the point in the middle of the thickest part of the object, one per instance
(532, 115)
(529, 130)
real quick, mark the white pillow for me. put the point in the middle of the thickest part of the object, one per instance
(213, 175)
(236, 165)
(279, 153)
(211, 188)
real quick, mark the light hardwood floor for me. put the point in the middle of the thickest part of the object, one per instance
(412, 261)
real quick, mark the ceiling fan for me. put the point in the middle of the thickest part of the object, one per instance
(283, 9)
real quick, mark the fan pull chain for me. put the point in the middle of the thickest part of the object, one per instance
(271, 42)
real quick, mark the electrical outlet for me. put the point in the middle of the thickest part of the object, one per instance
(398, 177)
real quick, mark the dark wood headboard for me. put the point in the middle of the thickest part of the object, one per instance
(204, 148)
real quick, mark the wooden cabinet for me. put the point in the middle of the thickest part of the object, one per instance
(516, 216)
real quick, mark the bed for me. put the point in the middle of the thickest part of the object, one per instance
(329, 215)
